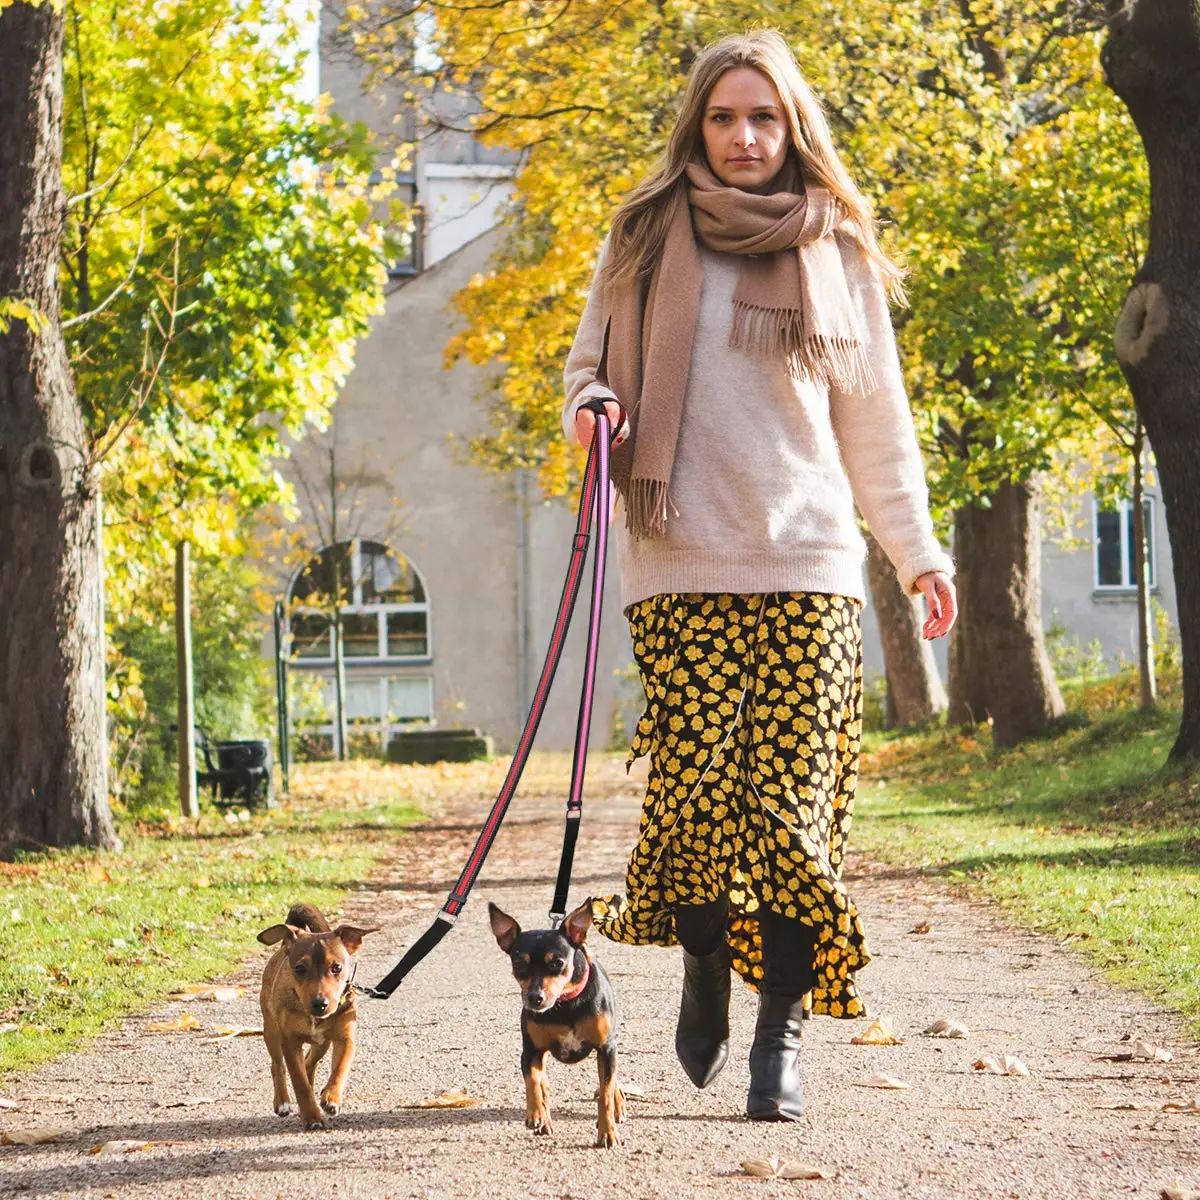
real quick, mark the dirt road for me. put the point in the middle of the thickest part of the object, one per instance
(954, 1134)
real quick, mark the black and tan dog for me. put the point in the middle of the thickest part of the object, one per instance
(307, 999)
(568, 1009)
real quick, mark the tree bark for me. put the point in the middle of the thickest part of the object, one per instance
(53, 790)
(998, 662)
(1152, 62)
(915, 690)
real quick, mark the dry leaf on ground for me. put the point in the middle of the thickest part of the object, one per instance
(226, 1033)
(184, 1102)
(207, 991)
(1179, 1193)
(888, 1082)
(9, 1103)
(34, 1136)
(459, 1098)
(946, 1027)
(1182, 1106)
(921, 927)
(179, 1024)
(878, 1033)
(1149, 1050)
(777, 1168)
(120, 1146)
(1006, 1064)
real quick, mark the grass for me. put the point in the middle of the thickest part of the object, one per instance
(88, 937)
(1088, 835)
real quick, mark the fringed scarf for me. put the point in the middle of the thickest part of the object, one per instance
(791, 301)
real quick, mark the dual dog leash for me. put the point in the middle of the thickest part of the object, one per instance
(593, 507)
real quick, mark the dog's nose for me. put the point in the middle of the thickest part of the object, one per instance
(536, 999)
(320, 1005)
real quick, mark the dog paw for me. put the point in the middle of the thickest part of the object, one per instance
(540, 1123)
(316, 1121)
(330, 1106)
(283, 1110)
(608, 1137)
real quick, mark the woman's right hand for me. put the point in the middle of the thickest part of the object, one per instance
(585, 424)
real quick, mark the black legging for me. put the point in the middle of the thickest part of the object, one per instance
(789, 947)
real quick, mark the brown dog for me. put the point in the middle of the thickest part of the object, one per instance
(307, 998)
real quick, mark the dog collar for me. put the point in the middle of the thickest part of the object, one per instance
(577, 988)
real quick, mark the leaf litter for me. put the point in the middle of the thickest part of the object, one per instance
(180, 1024)
(878, 1033)
(775, 1167)
(458, 1098)
(947, 1027)
(1006, 1064)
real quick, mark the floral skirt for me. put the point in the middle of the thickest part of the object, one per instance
(752, 725)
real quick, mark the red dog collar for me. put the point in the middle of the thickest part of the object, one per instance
(577, 988)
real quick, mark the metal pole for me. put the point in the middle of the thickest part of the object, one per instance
(185, 685)
(281, 701)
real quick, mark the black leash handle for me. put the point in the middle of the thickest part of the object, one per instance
(593, 504)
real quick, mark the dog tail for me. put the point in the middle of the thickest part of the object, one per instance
(304, 916)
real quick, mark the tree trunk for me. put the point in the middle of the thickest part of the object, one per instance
(53, 790)
(915, 691)
(1141, 571)
(1152, 62)
(999, 667)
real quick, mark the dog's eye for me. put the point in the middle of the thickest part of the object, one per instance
(557, 965)
(336, 969)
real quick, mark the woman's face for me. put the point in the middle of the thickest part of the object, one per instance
(745, 131)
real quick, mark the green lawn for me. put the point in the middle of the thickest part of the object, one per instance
(1086, 835)
(88, 937)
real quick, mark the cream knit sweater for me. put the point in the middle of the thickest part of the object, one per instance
(768, 468)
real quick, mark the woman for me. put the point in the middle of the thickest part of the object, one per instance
(739, 318)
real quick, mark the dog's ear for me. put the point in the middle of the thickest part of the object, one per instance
(351, 936)
(504, 927)
(576, 924)
(279, 933)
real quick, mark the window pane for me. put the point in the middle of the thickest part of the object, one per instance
(360, 635)
(388, 578)
(314, 585)
(363, 699)
(408, 699)
(407, 633)
(1108, 548)
(310, 635)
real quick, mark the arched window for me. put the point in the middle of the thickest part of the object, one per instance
(382, 600)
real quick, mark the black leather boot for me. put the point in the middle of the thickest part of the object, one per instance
(702, 1035)
(776, 1085)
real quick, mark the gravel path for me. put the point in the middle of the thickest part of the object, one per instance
(955, 1134)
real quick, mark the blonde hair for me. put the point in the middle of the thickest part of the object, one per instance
(639, 227)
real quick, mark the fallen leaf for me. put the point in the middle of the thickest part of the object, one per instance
(9, 1103)
(945, 1027)
(762, 1168)
(1006, 1064)
(459, 1098)
(225, 1033)
(878, 1033)
(887, 1081)
(206, 991)
(921, 927)
(184, 1102)
(1149, 1050)
(777, 1168)
(35, 1136)
(1178, 1193)
(120, 1146)
(1182, 1106)
(179, 1024)
(1134, 1105)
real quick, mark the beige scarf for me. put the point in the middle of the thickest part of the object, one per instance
(791, 300)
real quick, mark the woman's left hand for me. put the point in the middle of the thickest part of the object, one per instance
(942, 602)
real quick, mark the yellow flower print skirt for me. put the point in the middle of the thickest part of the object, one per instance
(752, 724)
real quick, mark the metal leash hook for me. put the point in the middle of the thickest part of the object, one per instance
(593, 506)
